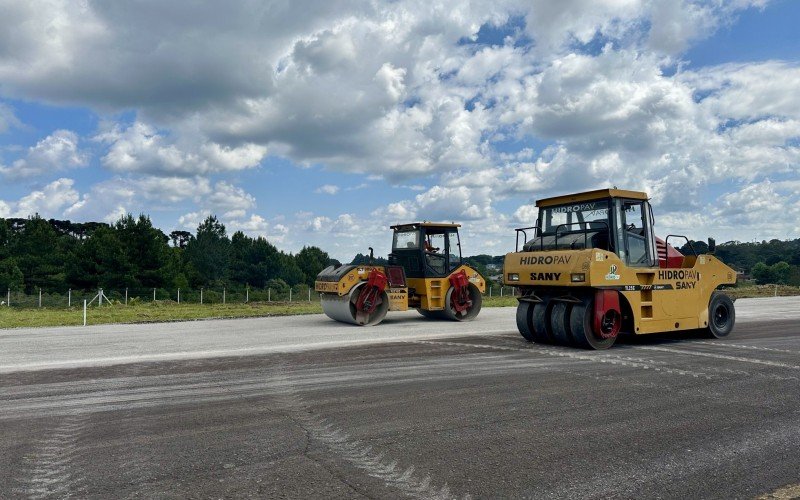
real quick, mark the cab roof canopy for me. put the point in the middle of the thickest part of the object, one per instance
(415, 225)
(597, 194)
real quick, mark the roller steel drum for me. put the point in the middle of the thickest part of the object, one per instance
(344, 308)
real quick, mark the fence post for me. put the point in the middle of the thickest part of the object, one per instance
(201, 294)
(290, 294)
(84, 312)
(69, 298)
(9, 298)
(223, 296)
(490, 290)
(40, 296)
(100, 297)
(501, 291)
(309, 294)
(126, 296)
(179, 295)
(247, 295)
(154, 294)
(269, 294)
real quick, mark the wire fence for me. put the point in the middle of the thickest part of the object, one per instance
(128, 296)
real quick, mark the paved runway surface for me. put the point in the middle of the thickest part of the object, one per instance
(301, 407)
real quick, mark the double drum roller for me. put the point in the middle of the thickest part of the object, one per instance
(424, 272)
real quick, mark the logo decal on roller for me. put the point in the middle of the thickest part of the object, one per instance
(612, 273)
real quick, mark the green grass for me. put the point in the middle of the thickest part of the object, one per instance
(754, 291)
(170, 311)
(149, 312)
(496, 301)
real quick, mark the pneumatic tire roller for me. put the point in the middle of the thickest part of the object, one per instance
(593, 269)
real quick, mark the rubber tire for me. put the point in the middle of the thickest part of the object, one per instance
(525, 320)
(540, 319)
(722, 304)
(476, 298)
(559, 320)
(581, 327)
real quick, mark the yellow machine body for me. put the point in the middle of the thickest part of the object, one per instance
(594, 268)
(417, 278)
(429, 293)
(659, 300)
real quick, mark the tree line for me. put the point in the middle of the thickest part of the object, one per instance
(773, 262)
(57, 255)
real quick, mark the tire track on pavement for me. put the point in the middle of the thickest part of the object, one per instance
(50, 471)
(596, 358)
(749, 347)
(374, 463)
(774, 364)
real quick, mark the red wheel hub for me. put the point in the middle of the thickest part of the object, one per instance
(607, 315)
(460, 298)
(370, 295)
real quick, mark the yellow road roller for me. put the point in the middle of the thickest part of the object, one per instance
(425, 272)
(591, 268)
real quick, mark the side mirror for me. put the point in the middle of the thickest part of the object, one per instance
(712, 245)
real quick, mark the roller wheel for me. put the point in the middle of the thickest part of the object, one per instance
(373, 318)
(559, 320)
(721, 316)
(525, 320)
(542, 328)
(344, 308)
(582, 329)
(468, 315)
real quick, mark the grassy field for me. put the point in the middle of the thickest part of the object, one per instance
(170, 311)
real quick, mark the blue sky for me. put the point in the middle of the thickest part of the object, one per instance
(323, 129)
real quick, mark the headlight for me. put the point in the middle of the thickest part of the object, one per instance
(513, 277)
(578, 277)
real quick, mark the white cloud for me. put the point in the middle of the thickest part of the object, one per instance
(5, 209)
(49, 201)
(225, 197)
(108, 200)
(255, 225)
(327, 189)
(8, 119)
(396, 91)
(354, 85)
(141, 148)
(57, 152)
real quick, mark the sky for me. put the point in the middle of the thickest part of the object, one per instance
(324, 122)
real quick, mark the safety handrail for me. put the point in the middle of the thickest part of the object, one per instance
(523, 231)
(688, 241)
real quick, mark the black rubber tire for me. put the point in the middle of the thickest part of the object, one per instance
(559, 320)
(525, 320)
(471, 313)
(540, 319)
(721, 316)
(581, 327)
